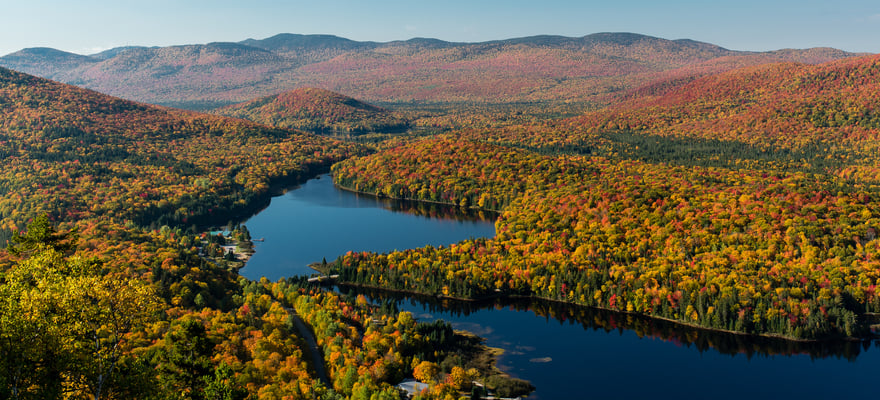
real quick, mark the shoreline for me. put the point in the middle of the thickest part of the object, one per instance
(260, 200)
(515, 296)
(444, 203)
(502, 296)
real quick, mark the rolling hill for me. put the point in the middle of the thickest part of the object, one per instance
(46, 61)
(107, 288)
(77, 154)
(785, 105)
(541, 68)
(318, 110)
(826, 113)
(724, 190)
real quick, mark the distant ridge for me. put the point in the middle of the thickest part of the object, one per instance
(789, 105)
(290, 42)
(110, 53)
(594, 68)
(49, 62)
(46, 54)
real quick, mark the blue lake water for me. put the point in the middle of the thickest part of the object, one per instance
(571, 352)
(566, 352)
(316, 221)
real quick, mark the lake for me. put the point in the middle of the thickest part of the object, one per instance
(565, 351)
(576, 352)
(316, 220)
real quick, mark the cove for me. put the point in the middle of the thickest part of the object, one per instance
(316, 221)
(564, 351)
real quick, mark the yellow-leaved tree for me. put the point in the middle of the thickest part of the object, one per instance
(426, 372)
(64, 324)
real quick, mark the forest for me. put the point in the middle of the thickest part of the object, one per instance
(739, 198)
(317, 110)
(660, 207)
(111, 289)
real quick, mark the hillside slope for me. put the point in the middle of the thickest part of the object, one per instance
(785, 105)
(826, 114)
(73, 153)
(315, 110)
(744, 201)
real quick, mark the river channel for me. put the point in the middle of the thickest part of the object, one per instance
(565, 351)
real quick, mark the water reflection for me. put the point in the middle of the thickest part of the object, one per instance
(316, 221)
(434, 210)
(592, 319)
(320, 192)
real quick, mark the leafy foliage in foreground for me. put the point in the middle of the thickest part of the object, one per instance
(73, 327)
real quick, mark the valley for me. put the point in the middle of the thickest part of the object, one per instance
(664, 189)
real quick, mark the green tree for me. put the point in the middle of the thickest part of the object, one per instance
(41, 233)
(64, 325)
(222, 386)
(33, 327)
(110, 308)
(185, 359)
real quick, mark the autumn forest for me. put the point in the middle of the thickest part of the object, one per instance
(675, 180)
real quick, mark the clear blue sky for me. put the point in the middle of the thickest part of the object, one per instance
(88, 26)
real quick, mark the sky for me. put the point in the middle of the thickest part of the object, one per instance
(91, 26)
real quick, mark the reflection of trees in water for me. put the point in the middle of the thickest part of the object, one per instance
(608, 321)
(436, 210)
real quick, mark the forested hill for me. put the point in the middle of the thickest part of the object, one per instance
(45, 61)
(315, 109)
(76, 154)
(785, 103)
(100, 299)
(539, 68)
(822, 118)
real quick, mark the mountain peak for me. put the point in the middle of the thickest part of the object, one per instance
(44, 53)
(45, 61)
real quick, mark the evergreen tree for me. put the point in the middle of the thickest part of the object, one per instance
(186, 360)
(221, 386)
(40, 233)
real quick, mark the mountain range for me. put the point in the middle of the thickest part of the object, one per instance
(593, 68)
